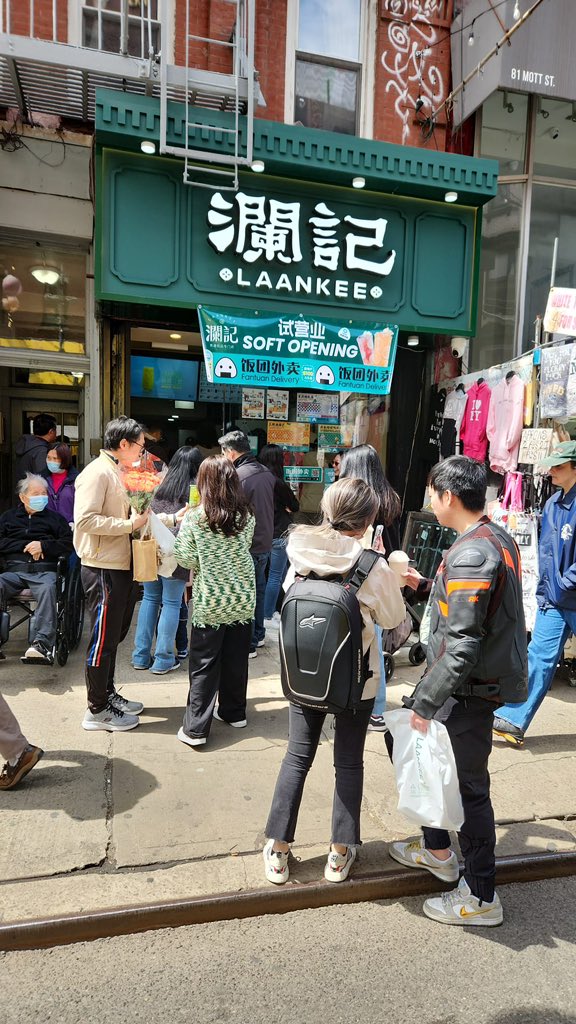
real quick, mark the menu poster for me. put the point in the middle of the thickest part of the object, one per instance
(253, 400)
(295, 436)
(277, 404)
(335, 438)
(311, 408)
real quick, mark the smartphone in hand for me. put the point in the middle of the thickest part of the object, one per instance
(377, 544)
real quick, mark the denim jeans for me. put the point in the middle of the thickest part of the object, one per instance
(380, 701)
(549, 635)
(260, 566)
(163, 596)
(276, 572)
(304, 730)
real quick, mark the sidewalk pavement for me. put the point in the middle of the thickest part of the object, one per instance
(113, 820)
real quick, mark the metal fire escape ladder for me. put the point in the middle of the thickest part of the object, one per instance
(232, 93)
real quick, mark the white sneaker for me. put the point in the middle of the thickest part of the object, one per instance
(415, 855)
(275, 864)
(235, 725)
(253, 654)
(460, 906)
(338, 865)
(261, 643)
(111, 719)
(272, 625)
(189, 740)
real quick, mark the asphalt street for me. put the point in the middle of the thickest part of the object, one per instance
(365, 963)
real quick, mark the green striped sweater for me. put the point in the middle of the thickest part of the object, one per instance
(224, 590)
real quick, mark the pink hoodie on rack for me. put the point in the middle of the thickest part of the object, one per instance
(473, 430)
(505, 421)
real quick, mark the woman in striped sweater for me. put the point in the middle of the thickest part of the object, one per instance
(214, 541)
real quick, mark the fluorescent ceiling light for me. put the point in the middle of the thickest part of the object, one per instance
(45, 275)
(147, 146)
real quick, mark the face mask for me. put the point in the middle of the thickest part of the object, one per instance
(54, 467)
(38, 502)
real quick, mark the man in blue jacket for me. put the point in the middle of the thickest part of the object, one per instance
(556, 595)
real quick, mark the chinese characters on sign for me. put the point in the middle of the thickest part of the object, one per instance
(334, 438)
(295, 436)
(255, 227)
(295, 352)
(303, 474)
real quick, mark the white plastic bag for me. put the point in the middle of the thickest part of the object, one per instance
(428, 790)
(166, 541)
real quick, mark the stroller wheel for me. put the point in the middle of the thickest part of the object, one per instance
(389, 666)
(416, 654)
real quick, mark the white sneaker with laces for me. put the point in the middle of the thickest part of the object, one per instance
(415, 855)
(338, 865)
(275, 864)
(111, 719)
(460, 906)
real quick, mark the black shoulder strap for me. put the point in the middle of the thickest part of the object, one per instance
(360, 571)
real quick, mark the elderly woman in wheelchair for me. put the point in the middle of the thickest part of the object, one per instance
(32, 540)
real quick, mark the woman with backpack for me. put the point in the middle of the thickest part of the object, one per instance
(363, 463)
(214, 541)
(333, 549)
(162, 600)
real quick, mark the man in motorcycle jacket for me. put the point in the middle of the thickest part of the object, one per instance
(476, 661)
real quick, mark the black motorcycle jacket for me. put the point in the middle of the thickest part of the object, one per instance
(477, 644)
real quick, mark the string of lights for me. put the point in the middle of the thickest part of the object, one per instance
(448, 102)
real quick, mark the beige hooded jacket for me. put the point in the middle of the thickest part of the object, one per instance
(329, 553)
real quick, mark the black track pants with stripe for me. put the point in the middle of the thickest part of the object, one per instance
(111, 595)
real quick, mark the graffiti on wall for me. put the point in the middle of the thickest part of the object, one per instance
(411, 60)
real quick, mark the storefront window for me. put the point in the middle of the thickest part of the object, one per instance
(553, 215)
(43, 298)
(503, 135)
(494, 341)
(555, 140)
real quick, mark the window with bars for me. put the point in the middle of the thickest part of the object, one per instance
(328, 65)
(105, 28)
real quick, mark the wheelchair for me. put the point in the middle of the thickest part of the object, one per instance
(69, 610)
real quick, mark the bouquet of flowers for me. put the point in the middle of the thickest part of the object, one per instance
(142, 481)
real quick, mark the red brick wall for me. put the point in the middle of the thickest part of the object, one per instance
(43, 25)
(403, 73)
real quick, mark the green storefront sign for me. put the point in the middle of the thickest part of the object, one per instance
(303, 474)
(297, 352)
(297, 238)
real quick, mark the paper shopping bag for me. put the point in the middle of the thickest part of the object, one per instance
(145, 560)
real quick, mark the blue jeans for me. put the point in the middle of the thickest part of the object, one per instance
(260, 566)
(163, 596)
(550, 633)
(380, 701)
(276, 572)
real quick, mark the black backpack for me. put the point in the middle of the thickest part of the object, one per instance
(321, 657)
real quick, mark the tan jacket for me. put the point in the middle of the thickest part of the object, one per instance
(102, 529)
